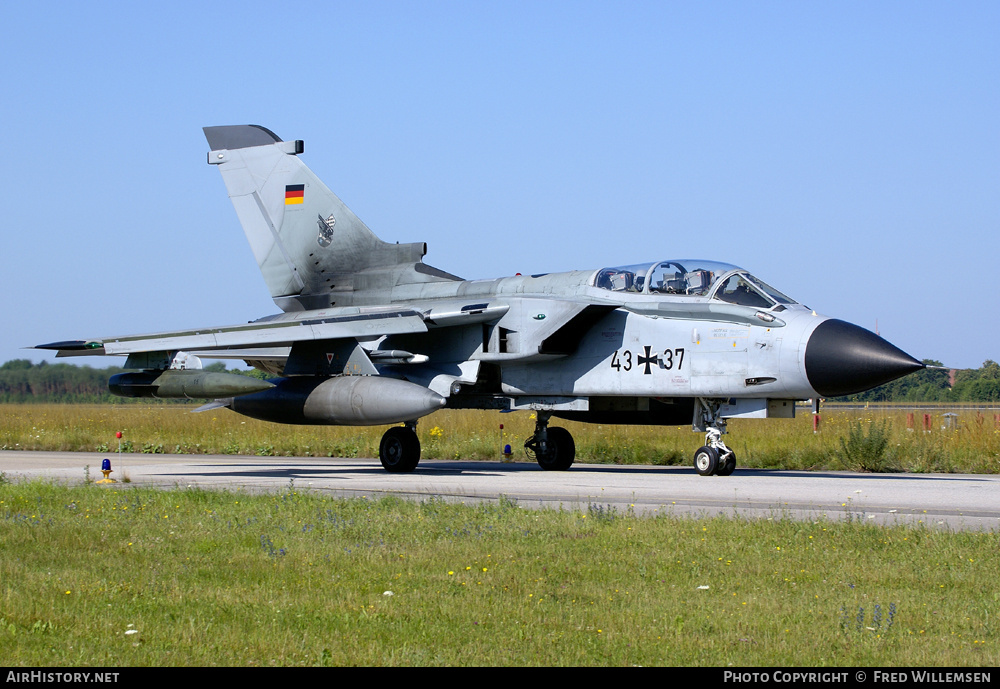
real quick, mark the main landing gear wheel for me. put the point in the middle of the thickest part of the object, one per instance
(552, 448)
(560, 451)
(399, 450)
(706, 460)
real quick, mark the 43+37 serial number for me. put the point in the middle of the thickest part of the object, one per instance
(622, 359)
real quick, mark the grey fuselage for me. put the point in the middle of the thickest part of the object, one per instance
(636, 344)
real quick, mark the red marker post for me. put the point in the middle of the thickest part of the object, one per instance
(121, 465)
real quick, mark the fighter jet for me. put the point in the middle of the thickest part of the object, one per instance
(371, 335)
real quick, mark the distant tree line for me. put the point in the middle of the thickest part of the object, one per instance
(22, 381)
(934, 385)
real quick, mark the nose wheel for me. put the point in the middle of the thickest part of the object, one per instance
(714, 457)
(728, 466)
(706, 460)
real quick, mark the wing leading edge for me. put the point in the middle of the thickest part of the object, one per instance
(278, 332)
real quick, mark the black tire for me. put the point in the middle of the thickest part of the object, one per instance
(706, 460)
(728, 467)
(399, 450)
(561, 451)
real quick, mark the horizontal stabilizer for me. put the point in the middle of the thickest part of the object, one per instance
(217, 404)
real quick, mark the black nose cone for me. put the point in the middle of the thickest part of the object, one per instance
(842, 359)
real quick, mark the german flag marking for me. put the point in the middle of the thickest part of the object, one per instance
(294, 193)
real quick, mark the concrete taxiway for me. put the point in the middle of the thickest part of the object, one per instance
(951, 501)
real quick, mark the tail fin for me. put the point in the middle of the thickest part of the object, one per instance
(312, 250)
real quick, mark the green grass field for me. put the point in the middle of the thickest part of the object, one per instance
(113, 576)
(972, 446)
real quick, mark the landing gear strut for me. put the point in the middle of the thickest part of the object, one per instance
(552, 448)
(714, 457)
(399, 450)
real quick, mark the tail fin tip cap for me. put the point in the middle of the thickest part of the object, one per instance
(232, 137)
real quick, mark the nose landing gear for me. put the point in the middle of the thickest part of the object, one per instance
(714, 457)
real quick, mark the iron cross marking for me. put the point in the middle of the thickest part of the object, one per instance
(647, 360)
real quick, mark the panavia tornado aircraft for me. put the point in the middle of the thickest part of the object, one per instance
(371, 335)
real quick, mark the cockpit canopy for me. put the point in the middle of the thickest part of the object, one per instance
(693, 278)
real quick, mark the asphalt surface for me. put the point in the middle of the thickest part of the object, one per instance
(950, 501)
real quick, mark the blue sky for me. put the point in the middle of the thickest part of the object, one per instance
(848, 153)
